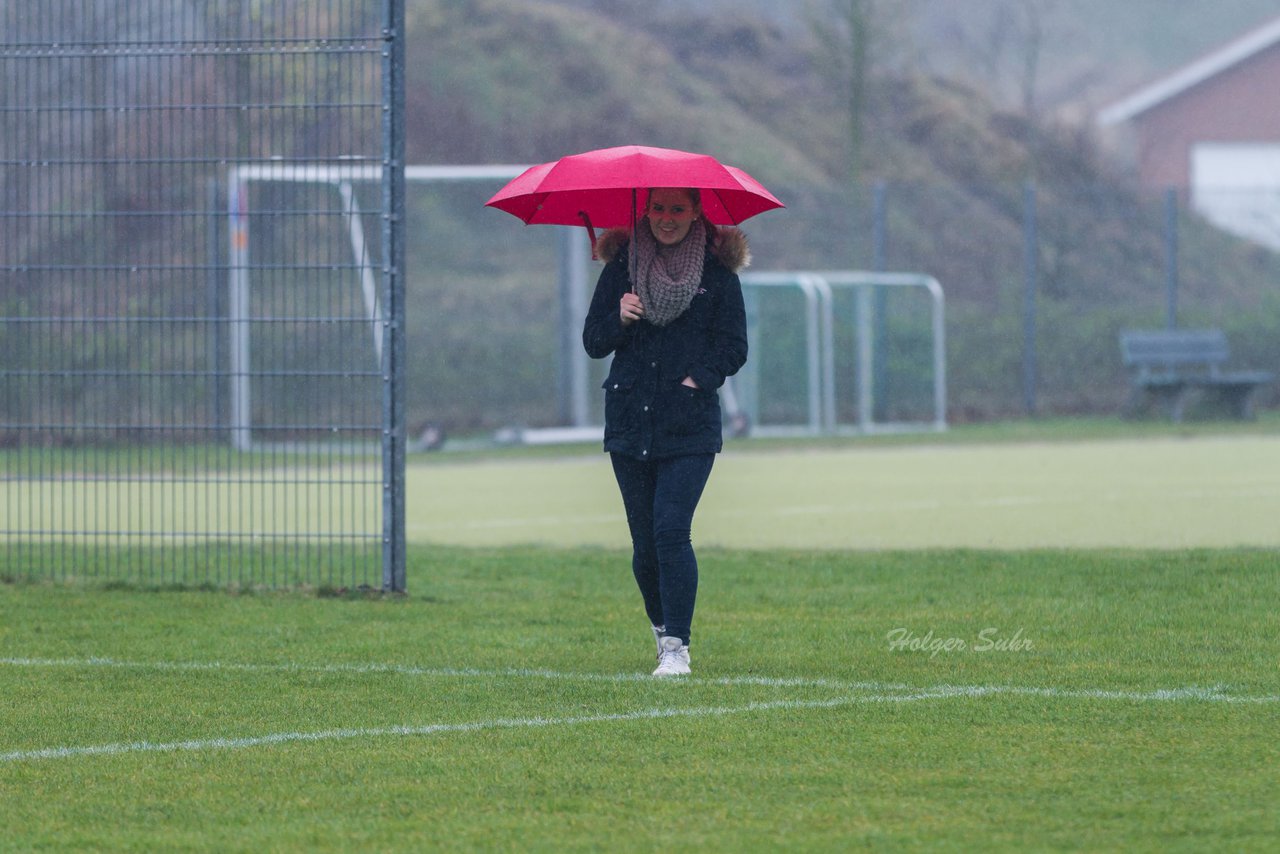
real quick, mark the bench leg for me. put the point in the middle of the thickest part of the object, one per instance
(1239, 400)
(1172, 400)
(1169, 401)
(1136, 404)
(1178, 405)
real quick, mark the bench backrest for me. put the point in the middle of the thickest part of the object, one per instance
(1174, 348)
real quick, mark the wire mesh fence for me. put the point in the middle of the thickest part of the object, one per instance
(1040, 278)
(123, 338)
(200, 380)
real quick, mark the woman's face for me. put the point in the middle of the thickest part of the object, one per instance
(671, 212)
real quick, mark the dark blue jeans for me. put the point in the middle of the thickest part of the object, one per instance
(660, 497)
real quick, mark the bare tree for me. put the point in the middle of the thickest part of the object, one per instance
(843, 32)
(1035, 21)
(1000, 44)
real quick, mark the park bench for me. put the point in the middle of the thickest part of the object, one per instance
(1167, 367)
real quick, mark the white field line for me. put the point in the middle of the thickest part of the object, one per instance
(440, 672)
(859, 507)
(874, 693)
(995, 502)
(517, 522)
(1214, 694)
(436, 729)
(941, 692)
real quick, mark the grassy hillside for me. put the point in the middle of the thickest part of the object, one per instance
(504, 81)
(1092, 50)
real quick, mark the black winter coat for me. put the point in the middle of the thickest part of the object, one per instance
(648, 413)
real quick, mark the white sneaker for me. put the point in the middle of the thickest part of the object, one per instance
(673, 660)
(660, 632)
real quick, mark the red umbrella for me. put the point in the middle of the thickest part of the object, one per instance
(607, 187)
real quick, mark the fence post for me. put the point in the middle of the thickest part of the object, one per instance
(1171, 256)
(213, 303)
(880, 309)
(1031, 272)
(393, 190)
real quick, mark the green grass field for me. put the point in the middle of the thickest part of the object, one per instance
(925, 645)
(1030, 491)
(1168, 492)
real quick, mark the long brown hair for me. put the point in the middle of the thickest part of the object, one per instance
(713, 234)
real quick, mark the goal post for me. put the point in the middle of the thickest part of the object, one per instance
(342, 180)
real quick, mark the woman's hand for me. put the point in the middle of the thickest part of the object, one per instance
(630, 309)
(689, 381)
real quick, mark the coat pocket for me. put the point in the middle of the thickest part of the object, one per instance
(692, 410)
(620, 416)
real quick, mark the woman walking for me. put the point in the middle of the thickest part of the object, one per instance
(675, 333)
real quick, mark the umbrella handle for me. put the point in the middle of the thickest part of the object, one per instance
(591, 232)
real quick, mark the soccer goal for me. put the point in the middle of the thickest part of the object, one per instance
(268, 296)
(844, 351)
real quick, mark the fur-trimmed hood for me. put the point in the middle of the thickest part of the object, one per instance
(729, 246)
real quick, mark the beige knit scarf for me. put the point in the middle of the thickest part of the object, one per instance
(668, 277)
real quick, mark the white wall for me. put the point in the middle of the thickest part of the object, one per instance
(1236, 186)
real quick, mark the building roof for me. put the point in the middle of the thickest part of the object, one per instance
(1211, 64)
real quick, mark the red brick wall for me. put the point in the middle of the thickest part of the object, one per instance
(1241, 104)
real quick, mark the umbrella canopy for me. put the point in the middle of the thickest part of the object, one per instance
(608, 187)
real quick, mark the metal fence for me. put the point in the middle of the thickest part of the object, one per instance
(1040, 280)
(125, 342)
(202, 357)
